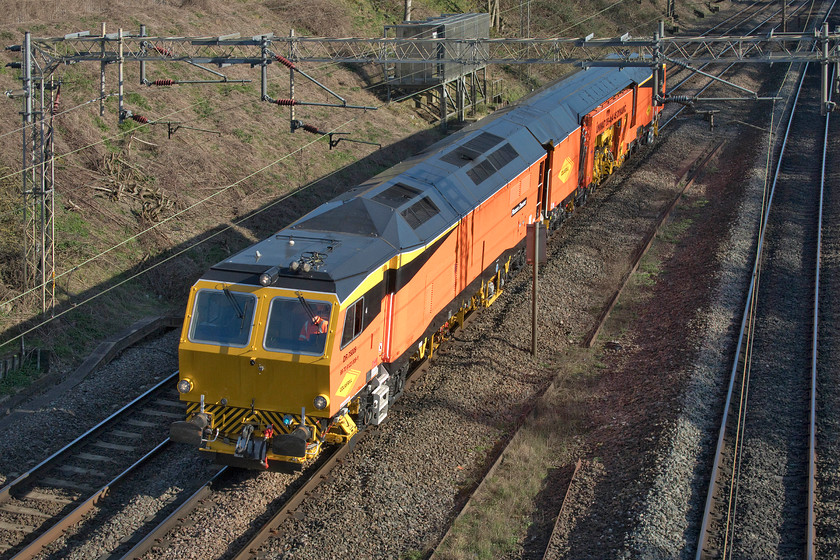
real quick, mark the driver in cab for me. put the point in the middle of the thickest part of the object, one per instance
(315, 326)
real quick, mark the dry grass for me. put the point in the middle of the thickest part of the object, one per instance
(497, 518)
(246, 161)
(496, 521)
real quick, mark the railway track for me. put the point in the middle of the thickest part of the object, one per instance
(745, 17)
(556, 528)
(826, 361)
(40, 505)
(157, 537)
(761, 484)
(252, 546)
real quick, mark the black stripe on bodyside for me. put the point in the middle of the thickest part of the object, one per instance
(444, 314)
(396, 280)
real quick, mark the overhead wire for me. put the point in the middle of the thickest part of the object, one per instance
(189, 208)
(60, 113)
(190, 247)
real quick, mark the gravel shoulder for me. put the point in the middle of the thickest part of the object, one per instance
(642, 430)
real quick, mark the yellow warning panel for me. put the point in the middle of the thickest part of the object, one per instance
(566, 170)
(348, 383)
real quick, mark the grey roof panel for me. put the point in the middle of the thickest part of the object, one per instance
(565, 103)
(355, 233)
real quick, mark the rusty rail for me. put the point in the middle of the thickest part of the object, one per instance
(562, 510)
(590, 339)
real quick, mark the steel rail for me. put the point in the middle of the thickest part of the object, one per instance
(712, 490)
(647, 241)
(32, 549)
(812, 439)
(7, 491)
(563, 504)
(270, 528)
(156, 535)
(707, 517)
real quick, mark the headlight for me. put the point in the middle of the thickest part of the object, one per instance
(268, 277)
(185, 386)
(321, 402)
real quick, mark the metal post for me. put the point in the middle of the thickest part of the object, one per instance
(291, 81)
(461, 90)
(102, 74)
(784, 15)
(49, 250)
(120, 64)
(534, 289)
(25, 189)
(42, 194)
(528, 33)
(824, 79)
(443, 110)
(264, 69)
(473, 92)
(143, 62)
(657, 59)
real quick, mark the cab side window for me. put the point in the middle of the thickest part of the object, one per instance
(353, 322)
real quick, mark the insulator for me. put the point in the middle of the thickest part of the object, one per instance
(163, 51)
(681, 99)
(285, 61)
(286, 102)
(163, 82)
(311, 129)
(139, 118)
(56, 103)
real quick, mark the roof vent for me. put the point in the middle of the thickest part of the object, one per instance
(396, 195)
(420, 212)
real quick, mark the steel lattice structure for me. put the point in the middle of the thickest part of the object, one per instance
(43, 56)
(581, 51)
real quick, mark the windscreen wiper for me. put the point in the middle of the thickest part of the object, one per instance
(235, 304)
(305, 306)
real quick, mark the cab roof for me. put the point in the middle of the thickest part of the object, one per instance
(412, 204)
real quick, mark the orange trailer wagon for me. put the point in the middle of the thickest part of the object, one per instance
(306, 337)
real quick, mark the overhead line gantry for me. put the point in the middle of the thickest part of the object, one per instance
(43, 56)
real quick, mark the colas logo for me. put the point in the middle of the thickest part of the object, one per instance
(566, 170)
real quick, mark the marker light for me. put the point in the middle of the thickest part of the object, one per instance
(321, 402)
(268, 277)
(185, 386)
